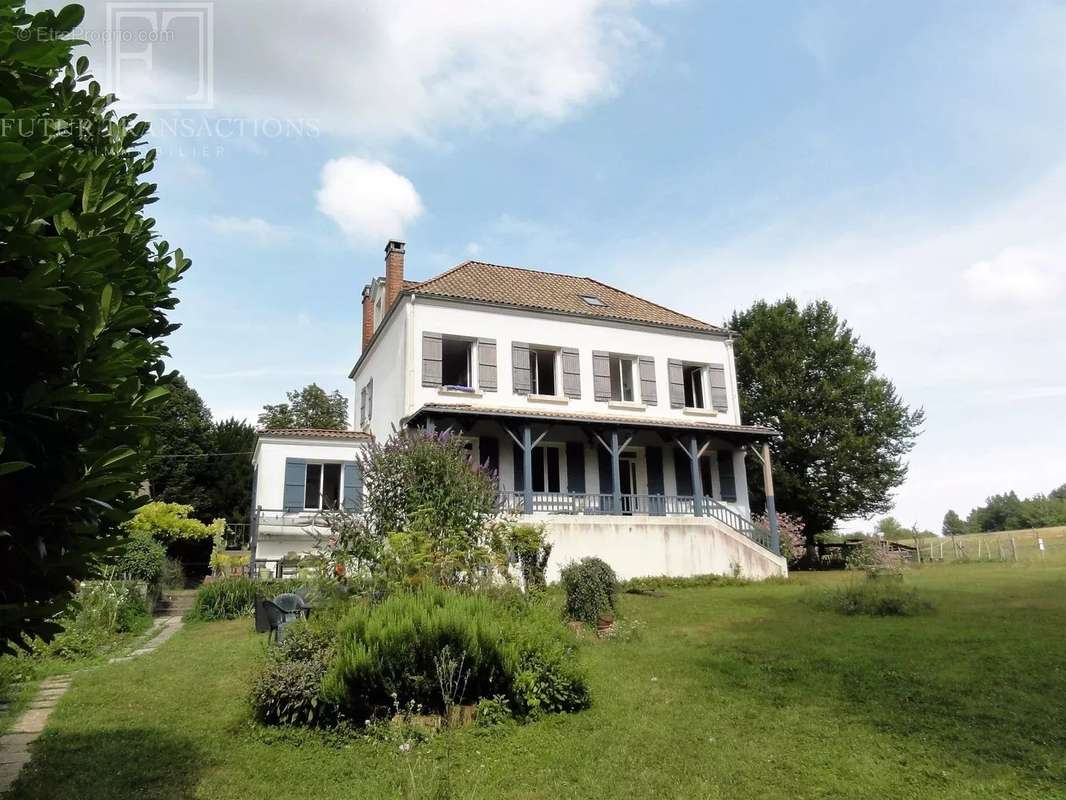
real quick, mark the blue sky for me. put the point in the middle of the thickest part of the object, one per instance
(903, 160)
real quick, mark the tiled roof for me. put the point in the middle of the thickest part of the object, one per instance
(549, 291)
(752, 431)
(314, 433)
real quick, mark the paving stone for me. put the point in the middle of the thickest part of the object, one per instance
(16, 741)
(8, 773)
(33, 721)
(19, 757)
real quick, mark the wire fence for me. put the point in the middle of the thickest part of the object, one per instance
(1007, 546)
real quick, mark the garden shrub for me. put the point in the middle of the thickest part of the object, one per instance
(875, 559)
(876, 598)
(591, 589)
(287, 690)
(100, 611)
(231, 598)
(142, 559)
(524, 546)
(388, 653)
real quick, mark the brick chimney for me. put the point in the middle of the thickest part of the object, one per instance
(393, 272)
(368, 316)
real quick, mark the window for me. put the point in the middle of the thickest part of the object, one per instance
(694, 395)
(542, 371)
(546, 472)
(622, 379)
(322, 486)
(592, 301)
(455, 363)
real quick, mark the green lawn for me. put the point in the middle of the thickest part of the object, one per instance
(731, 692)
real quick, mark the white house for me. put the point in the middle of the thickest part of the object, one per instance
(613, 420)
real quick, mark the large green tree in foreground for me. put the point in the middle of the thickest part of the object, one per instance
(309, 407)
(845, 429)
(85, 285)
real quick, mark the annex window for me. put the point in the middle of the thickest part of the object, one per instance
(322, 486)
(542, 371)
(455, 363)
(546, 470)
(622, 379)
(694, 393)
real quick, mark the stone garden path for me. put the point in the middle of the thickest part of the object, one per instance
(15, 744)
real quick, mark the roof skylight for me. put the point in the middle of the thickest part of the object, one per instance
(592, 300)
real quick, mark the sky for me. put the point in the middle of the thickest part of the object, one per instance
(905, 161)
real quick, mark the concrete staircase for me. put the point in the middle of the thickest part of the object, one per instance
(175, 602)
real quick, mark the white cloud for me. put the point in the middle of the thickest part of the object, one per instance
(388, 68)
(1021, 275)
(367, 200)
(250, 228)
(910, 294)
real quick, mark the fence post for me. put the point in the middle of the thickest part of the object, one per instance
(1014, 547)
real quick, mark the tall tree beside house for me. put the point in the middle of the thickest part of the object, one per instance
(845, 429)
(181, 471)
(85, 288)
(310, 407)
(200, 463)
(230, 476)
(953, 525)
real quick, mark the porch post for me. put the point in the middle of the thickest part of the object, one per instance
(616, 472)
(771, 509)
(527, 467)
(697, 479)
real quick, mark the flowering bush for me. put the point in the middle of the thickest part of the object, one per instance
(790, 528)
(873, 557)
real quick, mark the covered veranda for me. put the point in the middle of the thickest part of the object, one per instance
(555, 462)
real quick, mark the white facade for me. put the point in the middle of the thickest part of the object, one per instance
(450, 361)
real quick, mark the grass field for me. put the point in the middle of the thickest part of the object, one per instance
(1001, 545)
(731, 692)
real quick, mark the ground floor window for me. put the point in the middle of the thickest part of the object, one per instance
(546, 469)
(322, 486)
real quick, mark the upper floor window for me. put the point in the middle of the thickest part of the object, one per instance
(542, 370)
(695, 396)
(456, 363)
(622, 378)
(322, 486)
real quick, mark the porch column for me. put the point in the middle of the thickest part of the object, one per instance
(616, 472)
(527, 467)
(697, 479)
(771, 509)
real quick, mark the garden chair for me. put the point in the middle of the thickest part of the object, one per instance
(292, 604)
(272, 618)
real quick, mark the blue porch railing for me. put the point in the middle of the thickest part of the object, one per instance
(636, 504)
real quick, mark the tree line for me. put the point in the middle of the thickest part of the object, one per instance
(1008, 512)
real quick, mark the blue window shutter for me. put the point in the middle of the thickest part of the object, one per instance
(682, 473)
(353, 487)
(726, 478)
(719, 392)
(575, 467)
(295, 476)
